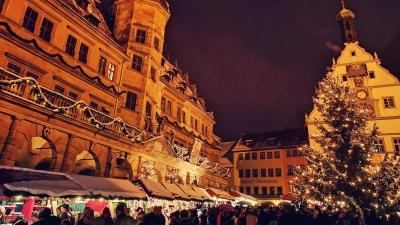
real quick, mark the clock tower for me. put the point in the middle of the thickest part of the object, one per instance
(377, 90)
(345, 18)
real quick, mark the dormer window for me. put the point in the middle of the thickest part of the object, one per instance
(166, 77)
(82, 3)
(93, 20)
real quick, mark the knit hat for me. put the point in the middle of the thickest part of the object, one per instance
(65, 206)
(120, 208)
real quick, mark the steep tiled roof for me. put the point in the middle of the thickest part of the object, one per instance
(283, 138)
(226, 146)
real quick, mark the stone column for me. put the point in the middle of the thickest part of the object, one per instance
(140, 163)
(107, 171)
(12, 144)
(67, 164)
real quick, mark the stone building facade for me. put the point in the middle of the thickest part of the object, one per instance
(85, 90)
(376, 88)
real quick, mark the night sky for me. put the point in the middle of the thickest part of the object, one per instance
(256, 62)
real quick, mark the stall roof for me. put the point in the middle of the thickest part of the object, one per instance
(241, 195)
(219, 194)
(289, 197)
(154, 189)
(203, 193)
(110, 188)
(36, 182)
(191, 193)
(175, 190)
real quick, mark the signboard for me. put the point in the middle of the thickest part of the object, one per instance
(258, 181)
(195, 151)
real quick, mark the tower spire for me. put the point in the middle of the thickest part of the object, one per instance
(343, 5)
(346, 23)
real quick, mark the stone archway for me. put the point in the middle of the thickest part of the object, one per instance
(90, 171)
(45, 164)
(123, 171)
(87, 163)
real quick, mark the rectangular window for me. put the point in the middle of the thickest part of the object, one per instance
(241, 189)
(353, 53)
(344, 77)
(290, 169)
(29, 74)
(30, 19)
(202, 128)
(378, 145)
(111, 71)
(271, 190)
(82, 3)
(264, 190)
(83, 53)
(247, 173)
(94, 105)
(105, 111)
(278, 172)
(277, 155)
(396, 143)
(45, 29)
(131, 101)
(206, 131)
(256, 190)
(153, 73)
(102, 65)
(184, 117)
(162, 104)
(169, 108)
(1, 5)
(157, 43)
(240, 173)
(288, 153)
(73, 95)
(59, 89)
(178, 114)
(240, 157)
(303, 167)
(254, 155)
(70, 46)
(137, 63)
(279, 190)
(371, 74)
(388, 102)
(195, 124)
(255, 172)
(295, 153)
(191, 121)
(141, 36)
(248, 190)
(148, 109)
(13, 68)
(269, 155)
(262, 155)
(247, 156)
(263, 172)
(270, 172)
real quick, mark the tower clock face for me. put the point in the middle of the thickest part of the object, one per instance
(362, 94)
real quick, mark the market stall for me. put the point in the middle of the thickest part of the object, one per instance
(203, 194)
(193, 195)
(219, 195)
(241, 198)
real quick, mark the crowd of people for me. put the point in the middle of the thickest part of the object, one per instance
(211, 216)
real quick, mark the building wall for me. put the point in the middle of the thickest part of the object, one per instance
(378, 87)
(71, 140)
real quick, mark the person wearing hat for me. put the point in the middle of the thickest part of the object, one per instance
(106, 216)
(174, 218)
(65, 213)
(121, 217)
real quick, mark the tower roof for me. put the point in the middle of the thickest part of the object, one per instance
(344, 13)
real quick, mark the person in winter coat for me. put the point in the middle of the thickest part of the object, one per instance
(44, 215)
(185, 220)
(121, 217)
(2, 218)
(66, 222)
(194, 217)
(53, 220)
(251, 219)
(174, 218)
(66, 214)
(106, 216)
(157, 210)
(87, 217)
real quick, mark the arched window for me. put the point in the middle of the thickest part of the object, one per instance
(87, 172)
(349, 37)
(43, 165)
(348, 27)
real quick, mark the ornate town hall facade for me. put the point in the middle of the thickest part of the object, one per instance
(85, 90)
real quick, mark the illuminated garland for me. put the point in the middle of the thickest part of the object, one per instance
(44, 102)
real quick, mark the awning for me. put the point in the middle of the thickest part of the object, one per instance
(191, 193)
(110, 188)
(203, 193)
(40, 183)
(153, 189)
(219, 194)
(241, 196)
(289, 197)
(175, 190)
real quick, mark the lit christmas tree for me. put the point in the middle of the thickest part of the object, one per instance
(338, 174)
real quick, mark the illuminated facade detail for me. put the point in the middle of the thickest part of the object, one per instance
(375, 87)
(94, 81)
